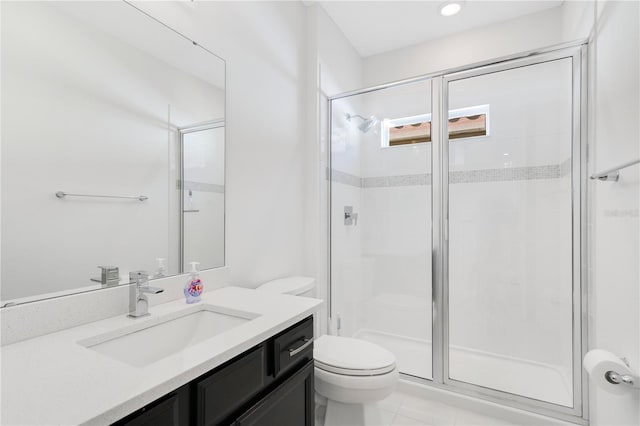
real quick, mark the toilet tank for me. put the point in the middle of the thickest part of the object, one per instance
(297, 286)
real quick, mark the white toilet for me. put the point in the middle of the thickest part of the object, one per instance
(349, 373)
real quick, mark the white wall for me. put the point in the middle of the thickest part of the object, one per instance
(79, 129)
(505, 38)
(264, 45)
(347, 265)
(333, 66)
(396, 222)
(614, 224)
(510, 241)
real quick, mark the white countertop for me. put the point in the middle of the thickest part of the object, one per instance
(54, 380)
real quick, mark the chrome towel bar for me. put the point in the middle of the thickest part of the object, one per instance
(61, 194)
(613, 174)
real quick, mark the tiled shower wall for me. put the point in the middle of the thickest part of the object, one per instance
(510, 219)
(394, 228)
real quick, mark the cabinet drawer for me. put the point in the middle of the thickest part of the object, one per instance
(172, 410)
(293, 346)
(290, 404)
(220, 394)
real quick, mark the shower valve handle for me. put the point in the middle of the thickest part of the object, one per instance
(350, 218)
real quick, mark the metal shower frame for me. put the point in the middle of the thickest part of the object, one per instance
(577, 52)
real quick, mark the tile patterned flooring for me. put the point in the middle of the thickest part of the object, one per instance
(402, 409)
(406, 409)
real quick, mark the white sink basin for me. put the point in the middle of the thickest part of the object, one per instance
(157, 338)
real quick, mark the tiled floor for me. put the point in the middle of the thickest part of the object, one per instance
(411, 410)
(401, 409)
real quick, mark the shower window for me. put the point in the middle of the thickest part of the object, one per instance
(469, 122)
(407, 130)
(463, 123)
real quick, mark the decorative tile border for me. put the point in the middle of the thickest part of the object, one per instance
(554, 171)
(622, 213)
(565, 167)
(506, 175)
(346, 178)
(201, 186)
(402, 180)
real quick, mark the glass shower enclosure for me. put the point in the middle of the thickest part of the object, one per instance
(457, 225)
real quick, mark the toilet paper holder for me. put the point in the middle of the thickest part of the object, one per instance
(616, 378)
(622, 379)
(610, 371)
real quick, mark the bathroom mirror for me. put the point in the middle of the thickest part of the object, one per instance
(113, 145)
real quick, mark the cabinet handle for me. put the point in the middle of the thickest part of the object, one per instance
(307, 343)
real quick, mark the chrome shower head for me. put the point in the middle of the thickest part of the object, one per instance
(367, 123)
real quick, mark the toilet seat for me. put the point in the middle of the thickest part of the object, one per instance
(352, 357)
(349, 372)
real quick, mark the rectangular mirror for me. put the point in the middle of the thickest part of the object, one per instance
(113, 145)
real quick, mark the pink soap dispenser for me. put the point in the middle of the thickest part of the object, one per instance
(193, 288)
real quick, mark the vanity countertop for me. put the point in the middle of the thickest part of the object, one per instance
(53, 379)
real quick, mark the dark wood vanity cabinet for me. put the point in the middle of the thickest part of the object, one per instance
(271, 384)
(290, 404)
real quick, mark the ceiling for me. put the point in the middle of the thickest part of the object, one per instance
(375, 27)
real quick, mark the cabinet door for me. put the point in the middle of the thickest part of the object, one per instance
(290, 404)
(224, 392)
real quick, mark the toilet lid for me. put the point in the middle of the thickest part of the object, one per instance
(352, 357)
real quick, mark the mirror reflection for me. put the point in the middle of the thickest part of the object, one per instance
(113, 145)
(203, 195)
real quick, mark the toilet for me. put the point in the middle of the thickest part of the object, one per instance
(350, 373)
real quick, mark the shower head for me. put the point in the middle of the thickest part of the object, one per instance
(367, 123)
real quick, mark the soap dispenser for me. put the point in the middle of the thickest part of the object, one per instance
(162, 268)
(193, 288)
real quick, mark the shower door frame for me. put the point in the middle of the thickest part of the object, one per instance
(577, 51)
(578, 210)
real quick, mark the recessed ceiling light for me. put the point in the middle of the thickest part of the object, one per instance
(450, 8)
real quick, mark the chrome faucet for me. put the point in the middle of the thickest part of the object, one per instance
(138, 302)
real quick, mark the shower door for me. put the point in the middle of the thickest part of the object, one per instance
(512, 259)
(381, 209)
